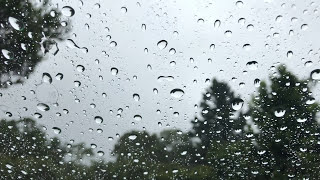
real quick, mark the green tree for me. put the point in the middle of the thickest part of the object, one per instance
(288, 142)
(219, 123)
(26, 152)
(28, 31)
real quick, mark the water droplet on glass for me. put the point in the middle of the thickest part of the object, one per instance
(217, 23)
(257, 82)
(239, 4)
(304, 27)
(132, 137)
(315, 74)
(46, 78)
(155, 91)
(228, 33)
(7, 54)
(278, 18)
(15, 23)
(68, 11)
(56, 130)
(43, 107)
(279, 113)
(100, 153)
(98, 119)
(124, 10)
(137, 117)
(252, 65)
(172, 51)
(113, 44)
(242, 21)
(311, 101)
(136, 97)
(212, 47)
(289, 54)
(114, 71)
(80, 68)
(143, 27)
(162, 44)
(59, 76)
(177, 93)
(247, 47)
(299, 120)
(200, 21)
(237, 104)
(77, 83)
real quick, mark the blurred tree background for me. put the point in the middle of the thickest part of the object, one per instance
(28, 30)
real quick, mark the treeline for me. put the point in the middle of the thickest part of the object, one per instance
(276, 138)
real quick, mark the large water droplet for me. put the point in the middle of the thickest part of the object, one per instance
(237, 104)
(80, 68)
(98, 119)
(315, 74)
(114, 71)
(304, 27)
(279, 113)
(68, 11)
(132, 137)
(46, 78)
(252, 65)
(43, 107)
(289, 54)
(59, 76)
(162, 44)
(217, 23)
(56, 130)
(15, 23)
(177, 93)
(136, 97)
(299, 120)
(7, 54)
(137, 117)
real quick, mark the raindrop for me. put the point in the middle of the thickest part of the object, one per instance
(278, 18)
(162, 44)
(252, 65)
(155, 91)
(43, 107)
(289, 54)
(68, 11)
(280, 113)
(46, 78)
(301, 120)
(80, 68)
(228, 33)
(77, 83)
(315, 74)
(247, 47)
(304, 27)
(114, 71)
(137, 117)
(113, 44)
(242, 21)
(250, 27)
(257, 82)
(98, 119)
(172, 51)
(143, 27)
(212, 47)
(56, 130)
(239, 4)
(311, 101)
(124, 10)
(136, 97)
(7, 54)
(200, 21)
(15, 23)
(217, 23)
(237, 104)
(100, 153)
(71, 44)
(177, 93)
(59, 76)
(132, 137)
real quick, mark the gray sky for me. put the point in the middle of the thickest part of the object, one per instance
(265, 25)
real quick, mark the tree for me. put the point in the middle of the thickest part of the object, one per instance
(27, 153)
(288, 142)
(218, 124)
(27, 28)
